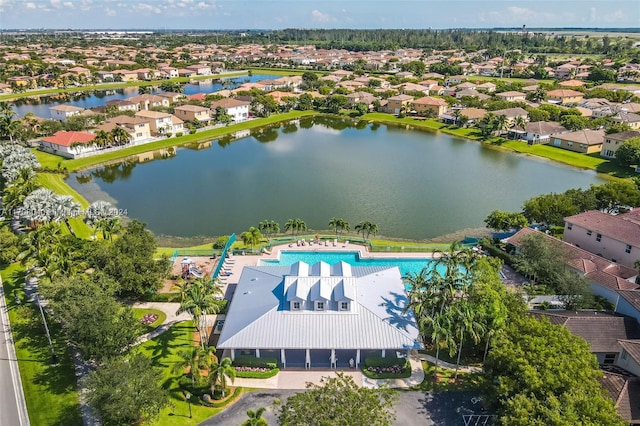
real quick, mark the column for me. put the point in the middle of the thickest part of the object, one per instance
(283, 358)
(233, 354)
(333, 358)
(257, 353)
(357, 358)
(384, 352)
(307, 362)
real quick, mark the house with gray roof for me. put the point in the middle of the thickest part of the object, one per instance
(319, 315)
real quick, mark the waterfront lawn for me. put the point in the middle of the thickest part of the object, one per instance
(138, 313)
(48, 161)
(49, 390)
(87, 162)
(56, 183)
(163, 351)
(168, 251)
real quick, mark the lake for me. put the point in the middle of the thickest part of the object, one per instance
(413, 184)
(39, 105)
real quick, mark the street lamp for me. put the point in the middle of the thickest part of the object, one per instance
(54, 357)
(188, 396)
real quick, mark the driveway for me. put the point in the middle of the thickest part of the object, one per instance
(413, 408)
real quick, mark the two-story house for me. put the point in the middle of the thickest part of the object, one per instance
(63, 112)
(237, 109)
(586, 141)
(397, 103)
(565, 96)
(613, 141)
(192, 113)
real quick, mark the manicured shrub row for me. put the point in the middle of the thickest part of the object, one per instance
(266, 374)
(378, 361)
(252, 361)
(403, 374)
(162, 297)
(236, 393)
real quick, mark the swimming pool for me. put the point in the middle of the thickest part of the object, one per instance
(406, 265)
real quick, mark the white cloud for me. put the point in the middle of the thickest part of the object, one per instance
(68, 4)
(110, 12)
(56, 3)
(318, 16)
(202, 6)
(30, 5)
(144, 7)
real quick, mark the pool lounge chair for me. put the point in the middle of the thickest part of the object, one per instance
(346, 243)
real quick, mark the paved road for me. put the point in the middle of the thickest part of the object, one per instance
(13, 410)
(412, 409)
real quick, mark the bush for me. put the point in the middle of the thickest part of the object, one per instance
(161, 297)
(192, 131)
(262, 373)
(178, 134)
(377, 361)
(220, 242)
(252, 361)
(168, 134)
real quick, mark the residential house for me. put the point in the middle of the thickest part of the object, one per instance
(326, 315)
(629, 118)
(511, 96)
(126, 75)
(68, 144)
(398, 103)
(600, 107)
(138, 128)
(586, 141)
(170, 72)
(471, 93)
(80, 71)
(454, 79)
(106, 76)
(173, 97)
(541, 131)
(360, 97)
(160, 123)
(473, 115)
(237, 109)
(412, 87)
(614, 237)
(623, 389)
(193, 113)
(63, 112)
(601, 330)
(200, 69)
(146, 101)
(613, 141)
(512, 114)
(488, 86)
(571, 83)
(429, 106)
(122, 105)
(564, 96)
(467, 85)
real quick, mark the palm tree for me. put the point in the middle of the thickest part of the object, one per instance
(253, 236)
(255, 418)
(519, 122)
(502, 123)
(269, 227)
(295, 225)
(339, 224)
(120, 136)
(40, 245)
(103, 139)
(195, 359)
(221, 372)
(466, 324)
(367, 228)
(64, 208)
(198, 298)
(102, 216)
(38, 207)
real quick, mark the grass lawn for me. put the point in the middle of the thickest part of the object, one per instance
(56, 183)
(443, 381)
(46, 160)
(50, 391)
(168, 251)
(140, 312)
(163, 351)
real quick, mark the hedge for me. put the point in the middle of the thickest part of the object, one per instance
(406, 372)
(161, 297)
(228, 400)
(257, 374)
(252, 361)
(378, 361)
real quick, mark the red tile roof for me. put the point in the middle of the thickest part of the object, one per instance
(620, 227)
(63, 138)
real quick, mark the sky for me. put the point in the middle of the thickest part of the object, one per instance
(278, 14)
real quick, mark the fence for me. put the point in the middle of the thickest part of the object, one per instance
(223, 255)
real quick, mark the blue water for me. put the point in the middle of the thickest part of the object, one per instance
(405, 265)
(39, 105)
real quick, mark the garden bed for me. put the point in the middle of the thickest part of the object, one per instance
(386, 368)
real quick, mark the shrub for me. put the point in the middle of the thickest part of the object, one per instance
(178, 134)
(259, 373)
(386, 368)
(192, 131)
(168, 134)
(377, 361)
(161, 297)
(252, 361)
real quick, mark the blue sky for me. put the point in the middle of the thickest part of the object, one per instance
(276, 14)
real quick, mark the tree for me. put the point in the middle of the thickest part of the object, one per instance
(366, 228)
(339, 401)
(120, 136)
(92, 319)
(574, 122)
(221, 372)
(549, 209)
(194, 360)
(251, 237)
(338, 225)
(628, 153)
(102, 216)
(519, 122)
(9, 246)
(505, 221)
(269, 228)
(222, 116)
(126, 391)
(198, 298)
(295, 225)
(131, 261)
(255, 418)
(539, 373)
(305, 102)
(616, 196)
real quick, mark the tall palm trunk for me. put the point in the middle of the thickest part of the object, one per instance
(455, 377)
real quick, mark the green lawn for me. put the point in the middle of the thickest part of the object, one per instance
(46, 160)
(168, 251)
(140, 312)
(50, 391)
(56, 183)
(163, 351)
